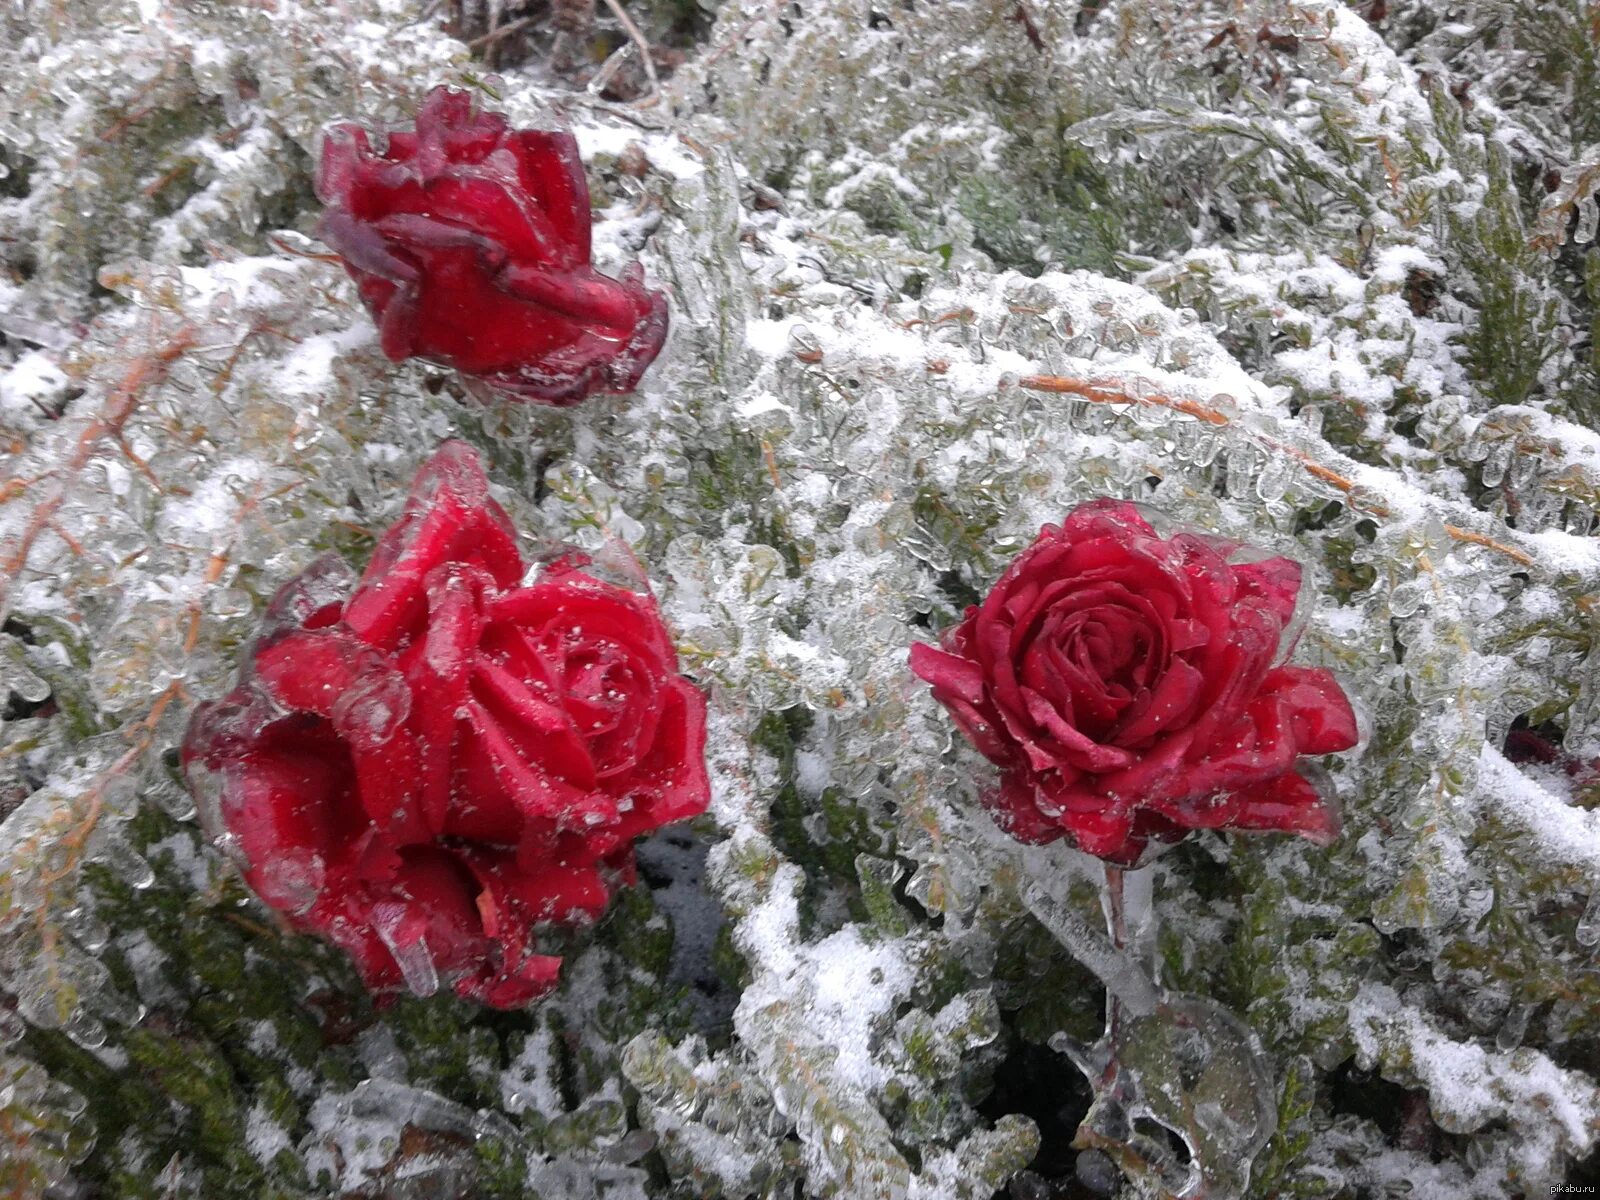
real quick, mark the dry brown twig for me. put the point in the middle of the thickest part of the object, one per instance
(503, 31)
(1098, 391)
(146, 371)
(639, 40)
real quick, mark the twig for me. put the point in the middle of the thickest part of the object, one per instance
(1108, 392)
(608, 69)
(298, 253)
(1480, 539)
(494, 35)
(119, 406)
(739, 34)
(1024, 18)
(1104, 392)
(639, 40)
(772, 464)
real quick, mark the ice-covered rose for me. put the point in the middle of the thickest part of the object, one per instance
(469, 242)
(428, 767)
(1129, 687)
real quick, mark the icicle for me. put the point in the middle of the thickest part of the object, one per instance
(1407, 598)
(410, 952)
(1273, 481)
(1588, 930)
(1495, 463)
(1514, 1028)
(1588, 221)
(1240, 468)
(1522, 469)
(1116, 969)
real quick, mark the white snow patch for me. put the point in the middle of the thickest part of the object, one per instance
(1564, 833)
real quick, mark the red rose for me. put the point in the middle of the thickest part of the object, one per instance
(469, 242)
(426, 768)
(1126, 685)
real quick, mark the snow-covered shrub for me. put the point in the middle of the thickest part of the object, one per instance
(1314, 276)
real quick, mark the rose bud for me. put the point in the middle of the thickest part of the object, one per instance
(428, 766)
(469, 243)
(1128, 687)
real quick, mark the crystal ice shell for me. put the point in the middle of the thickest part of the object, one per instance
(469, 242)
(1190, 1067)
(432, 764)
(1131, 688)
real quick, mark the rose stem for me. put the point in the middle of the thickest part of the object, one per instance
(1117, 926)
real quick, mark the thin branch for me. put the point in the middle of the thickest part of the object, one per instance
(1098, 391)
(638, 40)
(1104, 392)
(119, 406)
(494, 35)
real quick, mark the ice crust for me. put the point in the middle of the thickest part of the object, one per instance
(843, 442)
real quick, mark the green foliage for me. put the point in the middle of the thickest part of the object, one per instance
(1330, 295)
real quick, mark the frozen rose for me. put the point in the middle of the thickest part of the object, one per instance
(469, 243)
(1129, 687)
(428, 767)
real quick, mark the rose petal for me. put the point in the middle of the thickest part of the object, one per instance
(1273, 581)
(308, 670)
(499, 782)
(1072, 746)
(1324, 722)
(566, 607)
(1260, 746)
(288, 804)
(949, 673)
(1099, 826)
(1102, 518)
(313, 599)
(438, 670)
(669, 782)
(1162, 769)
(1288, 804)
(449, 518)
(1169, 704)
(514, 987)
(551, 172)
(540, 730)
(1014, 809)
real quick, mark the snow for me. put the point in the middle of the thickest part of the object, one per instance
(833, 455)
(666, 154)
(29, 387)
(263, 1136)
(1468, 1086)
(855, 985)
(214, 504)
(1562, 832)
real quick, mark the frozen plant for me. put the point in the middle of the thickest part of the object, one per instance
(1313, 277)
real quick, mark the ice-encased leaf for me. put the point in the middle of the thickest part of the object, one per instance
(1193, 1068)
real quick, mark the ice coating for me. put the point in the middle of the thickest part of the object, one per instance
(428, 768)
(1306, 316)
(1127, 685)
(470, 244)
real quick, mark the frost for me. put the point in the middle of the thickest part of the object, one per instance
(937, 272)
